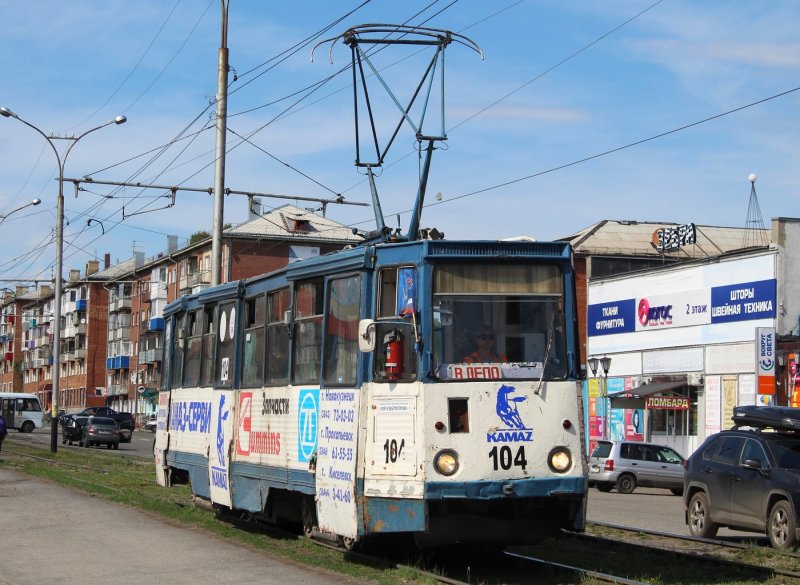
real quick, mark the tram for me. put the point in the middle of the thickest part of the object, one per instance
(409, 385)
(340, 392)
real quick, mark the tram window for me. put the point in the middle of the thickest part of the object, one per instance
(179, 322)
(278, 338)
(341, 335)
(507, 315)
(166, 371)
(395, 329)
(209, 341)
(191, 366)
(458, 415)
(253, 342)
(225, 346)
(308, 297)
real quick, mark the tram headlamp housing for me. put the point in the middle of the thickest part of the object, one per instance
(446, 462)
(560, 460)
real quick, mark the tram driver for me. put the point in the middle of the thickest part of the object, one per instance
(485, 352)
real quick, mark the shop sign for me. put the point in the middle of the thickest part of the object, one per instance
(613, 317)
(667, 403)
(743, 302)
(765, 359)
(669, 239)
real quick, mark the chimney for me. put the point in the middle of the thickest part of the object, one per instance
(254, 208)
(45, 291)
(172, 244)
(138, 259)
(106, 261)
(20, 290)
(92, 266)
(74, 275)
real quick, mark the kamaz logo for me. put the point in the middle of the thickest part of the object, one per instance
(509, 414)
(509, 437)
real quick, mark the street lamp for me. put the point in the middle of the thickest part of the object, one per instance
(605, 364)
(6, 113)
(28, 204)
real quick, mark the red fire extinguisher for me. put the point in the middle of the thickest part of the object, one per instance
(393, 352)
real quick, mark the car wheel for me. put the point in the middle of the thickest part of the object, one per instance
(700, 524)
(626, 484)
(108, 446)
(27, 427)
(63, 440)
(677, 491)
(604, 487)
(116, 445)
(781, 526)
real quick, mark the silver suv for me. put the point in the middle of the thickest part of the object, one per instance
(627, 464)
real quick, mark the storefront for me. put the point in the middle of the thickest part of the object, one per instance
(686, 344)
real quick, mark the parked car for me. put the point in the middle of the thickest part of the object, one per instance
(151, 423)
(100, 430)
(627, 464)
(748, 478)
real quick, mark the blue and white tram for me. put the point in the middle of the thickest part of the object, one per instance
(346, 392)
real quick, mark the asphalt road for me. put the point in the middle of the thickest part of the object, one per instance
(650, 509)
(141, 444)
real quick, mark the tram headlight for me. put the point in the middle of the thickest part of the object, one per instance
(446, 462)
(560, 460)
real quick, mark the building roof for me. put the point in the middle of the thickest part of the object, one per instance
(115, 271)
(292, 223)
(636, 238)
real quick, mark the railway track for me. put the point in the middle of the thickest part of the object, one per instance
(782, 563)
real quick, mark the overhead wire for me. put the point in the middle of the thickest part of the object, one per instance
(135, 67)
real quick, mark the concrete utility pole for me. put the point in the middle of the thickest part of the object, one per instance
(219, 169)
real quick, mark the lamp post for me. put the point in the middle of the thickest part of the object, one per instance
(28, 204)
(605, 365)
(73, 140)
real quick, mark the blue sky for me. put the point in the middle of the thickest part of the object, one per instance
(561, 82)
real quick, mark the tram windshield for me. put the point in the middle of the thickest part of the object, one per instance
(498, 321)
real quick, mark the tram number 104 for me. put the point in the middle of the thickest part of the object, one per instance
(502, 458)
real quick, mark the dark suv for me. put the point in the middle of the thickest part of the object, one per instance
(748, 478)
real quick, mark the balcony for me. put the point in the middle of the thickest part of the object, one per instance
(123, 304)
(117, 389)
(156, 324)
(80, 354)
(72, 330)
(9, 356)
(150, 356)
(118, 362)
(118, 333)
(80, 305)
(66, 356)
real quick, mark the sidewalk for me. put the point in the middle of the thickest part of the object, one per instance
(54, 534)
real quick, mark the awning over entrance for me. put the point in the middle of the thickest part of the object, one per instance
(635, 398)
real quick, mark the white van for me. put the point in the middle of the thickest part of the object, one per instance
(21, 411)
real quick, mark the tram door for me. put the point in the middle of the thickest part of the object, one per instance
(222, 408)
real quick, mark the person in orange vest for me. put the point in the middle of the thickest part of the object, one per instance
(485, 352)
